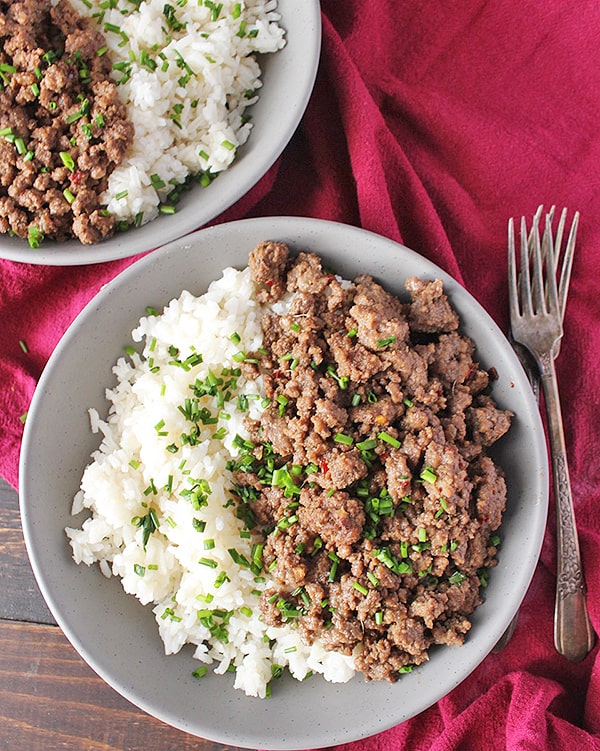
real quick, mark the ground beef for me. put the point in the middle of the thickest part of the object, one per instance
(63, 127)
(369, 474)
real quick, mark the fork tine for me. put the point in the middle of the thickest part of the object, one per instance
(513, 294)
(551, 296)
(559, 235)
(548, 248)
(567, 263)
(533, 279)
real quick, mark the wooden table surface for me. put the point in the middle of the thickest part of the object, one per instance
(49, 698)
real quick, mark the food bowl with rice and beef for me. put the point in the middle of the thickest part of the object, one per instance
(126, 125)
(305, 469)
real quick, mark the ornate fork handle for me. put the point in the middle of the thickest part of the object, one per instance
(573, 633)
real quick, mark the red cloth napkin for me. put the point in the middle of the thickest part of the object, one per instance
(432, 123)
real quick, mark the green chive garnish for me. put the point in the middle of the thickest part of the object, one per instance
(428, 475)
(394, 442)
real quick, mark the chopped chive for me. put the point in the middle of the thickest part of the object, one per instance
(67, 160)
(34, 237)
(428, 475)
(394, 442)
(367, 445)
(157, 181)
(221, 579)
(208, 562)
(20, 146)
(372, 578)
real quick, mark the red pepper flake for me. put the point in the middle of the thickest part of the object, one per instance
(269, 283)
(323, 466)
(76, 177)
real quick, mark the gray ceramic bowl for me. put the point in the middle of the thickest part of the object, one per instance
(288, 79)
(118, 637)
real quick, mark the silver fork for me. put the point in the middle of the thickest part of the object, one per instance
(565, 261)
(536, 323)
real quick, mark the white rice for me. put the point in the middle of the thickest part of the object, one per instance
(180, 571)
(186, 82)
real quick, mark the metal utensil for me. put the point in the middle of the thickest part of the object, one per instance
(565, 260)
(536, 323)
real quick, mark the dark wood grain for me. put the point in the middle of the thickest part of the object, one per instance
(50, 699)
(20, 597)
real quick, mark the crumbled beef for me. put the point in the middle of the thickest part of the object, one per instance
(369, 476)
(64, 126)
(430, 309)
(267, 263)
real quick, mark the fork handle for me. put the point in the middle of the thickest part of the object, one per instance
(573, 633)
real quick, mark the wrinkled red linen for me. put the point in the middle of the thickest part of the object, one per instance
(432, 123)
